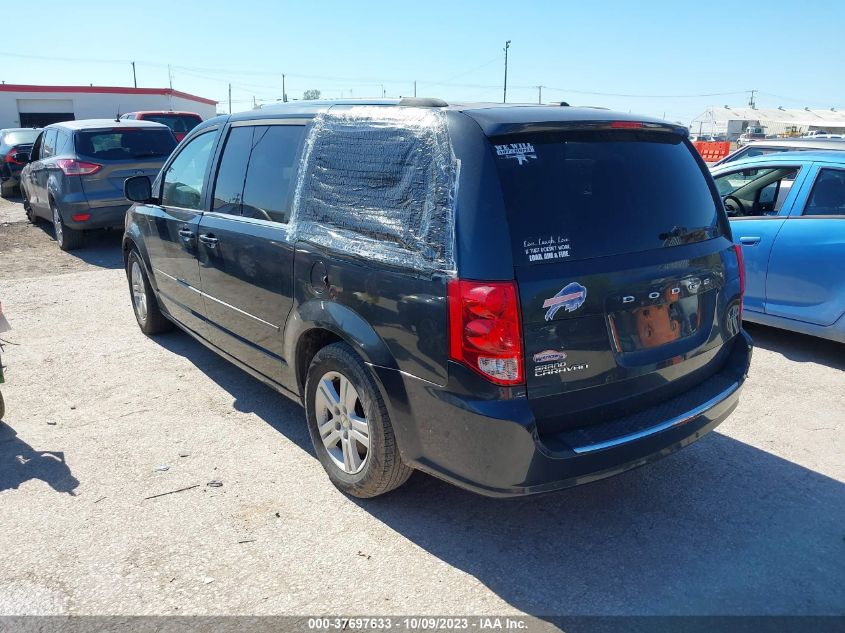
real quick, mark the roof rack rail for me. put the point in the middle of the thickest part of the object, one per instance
(423, 102)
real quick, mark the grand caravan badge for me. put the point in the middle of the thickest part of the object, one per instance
(570, 298)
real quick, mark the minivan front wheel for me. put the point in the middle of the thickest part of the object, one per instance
(349, 425)
(67, 239)
(144, 302)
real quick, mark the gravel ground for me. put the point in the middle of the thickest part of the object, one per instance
(750, 520)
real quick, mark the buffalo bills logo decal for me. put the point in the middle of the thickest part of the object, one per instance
(570, 298)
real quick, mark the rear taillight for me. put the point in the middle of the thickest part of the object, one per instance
(10, 157)
(73, 167)
(484, 329)
(740, 262)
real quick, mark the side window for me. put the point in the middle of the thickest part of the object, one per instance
(35, 154)
(63, 144)
(756, 192)
(184, 176)
(229, 186)
(828, 194)
(49, 147)
(272, 172)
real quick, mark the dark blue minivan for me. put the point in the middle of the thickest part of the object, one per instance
(515, 299)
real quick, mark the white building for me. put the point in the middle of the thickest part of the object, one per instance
(36, 106)
(774, 121)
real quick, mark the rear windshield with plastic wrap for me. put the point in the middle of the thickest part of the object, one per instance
(579, 195)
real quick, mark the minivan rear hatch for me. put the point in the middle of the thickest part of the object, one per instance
(621, 256)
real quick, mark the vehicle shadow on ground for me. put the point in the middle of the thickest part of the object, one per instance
(719, 528)
(19, 463)
(250, 394)
(798, 347)
(101, 248)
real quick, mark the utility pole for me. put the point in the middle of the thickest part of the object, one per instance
(284, 94)
(751, 100)
(415, 87)
(505, 92)
(230, 98)
(170, 94)
(540, 95)
(134, 76)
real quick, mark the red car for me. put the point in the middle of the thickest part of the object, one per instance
(180, 122)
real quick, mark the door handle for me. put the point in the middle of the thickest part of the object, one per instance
(208, 239)
(186, 233)
(749, 241)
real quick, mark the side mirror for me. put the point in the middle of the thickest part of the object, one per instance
(138, 189)
(21, 157)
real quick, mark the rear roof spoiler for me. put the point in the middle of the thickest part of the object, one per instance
(423, 102)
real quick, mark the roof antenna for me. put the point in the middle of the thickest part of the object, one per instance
(117, 116)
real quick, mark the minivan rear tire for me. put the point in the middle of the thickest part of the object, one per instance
(67, 239)
(382, 469)
(144, 302)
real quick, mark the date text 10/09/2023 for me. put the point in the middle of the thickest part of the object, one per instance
(425, 623)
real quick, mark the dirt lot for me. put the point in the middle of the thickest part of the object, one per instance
(750, 520)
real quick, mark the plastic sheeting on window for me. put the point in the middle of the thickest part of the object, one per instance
(379, 182)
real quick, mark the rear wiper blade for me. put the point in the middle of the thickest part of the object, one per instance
(146, 154)
(682, 232)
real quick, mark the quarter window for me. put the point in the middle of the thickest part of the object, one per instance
(184, 176)
(828, 194)
(49, 147)
(271, 172)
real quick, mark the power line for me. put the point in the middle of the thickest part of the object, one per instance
(198, 71)
(636, 96)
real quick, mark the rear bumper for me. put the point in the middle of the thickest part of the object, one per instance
(112, 215)
(493, 448)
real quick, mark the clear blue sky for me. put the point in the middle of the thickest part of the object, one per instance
(791, 52)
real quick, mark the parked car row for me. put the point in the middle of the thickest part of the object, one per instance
(72, 173)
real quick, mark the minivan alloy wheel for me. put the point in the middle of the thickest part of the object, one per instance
(139, 296)
(342, 422)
